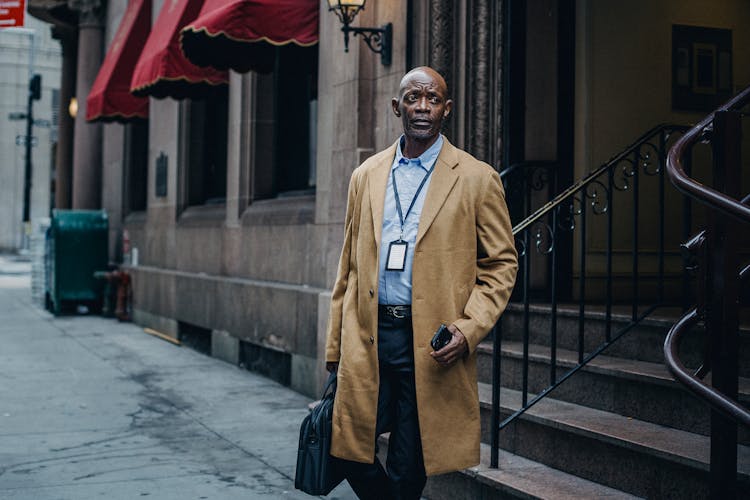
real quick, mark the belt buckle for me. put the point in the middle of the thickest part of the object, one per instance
(394, 311)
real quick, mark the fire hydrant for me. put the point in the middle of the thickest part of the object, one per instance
(120, 280)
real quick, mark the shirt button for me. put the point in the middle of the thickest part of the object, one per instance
(372, 293)
(372, 340)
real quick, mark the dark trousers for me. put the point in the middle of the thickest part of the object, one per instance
(397, 413)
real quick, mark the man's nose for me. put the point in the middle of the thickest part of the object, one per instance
(423, 104)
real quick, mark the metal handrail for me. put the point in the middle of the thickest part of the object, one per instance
(718, 285)
(719, 201)
(525, 164)
(591, 176)
(689, 186)
(555, 219)
(715, 398)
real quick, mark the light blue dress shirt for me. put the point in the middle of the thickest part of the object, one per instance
(394, 287)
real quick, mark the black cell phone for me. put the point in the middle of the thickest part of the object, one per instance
(441, 338)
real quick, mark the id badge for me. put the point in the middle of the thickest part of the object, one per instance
(396, 260)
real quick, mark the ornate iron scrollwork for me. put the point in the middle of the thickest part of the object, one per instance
(598, 193)
(621, 174)
(646, 158)
(544, 238)
(567, 213)
(378, 39)
(538, 178)
(520, 247)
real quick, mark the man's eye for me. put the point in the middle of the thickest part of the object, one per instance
(434, 99)
(411, 98)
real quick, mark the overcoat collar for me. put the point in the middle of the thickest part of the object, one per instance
(443, 179)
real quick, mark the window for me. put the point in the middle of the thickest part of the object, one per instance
(135, 166)
(205, 151)
(286, 117)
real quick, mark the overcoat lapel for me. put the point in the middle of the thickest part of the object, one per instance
(376, 184)
(443, 179)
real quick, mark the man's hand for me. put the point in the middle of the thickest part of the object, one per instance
(456, 348)
(332, 366)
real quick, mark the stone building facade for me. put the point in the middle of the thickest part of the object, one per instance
(244, 269)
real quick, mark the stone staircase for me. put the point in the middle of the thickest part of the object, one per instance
(620, 428)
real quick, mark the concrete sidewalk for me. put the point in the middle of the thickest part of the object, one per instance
(93, 408)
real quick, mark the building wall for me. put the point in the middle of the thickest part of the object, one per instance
(624, 88)
(14, 77)
(355, 120)
(260, 271)
(625, 68)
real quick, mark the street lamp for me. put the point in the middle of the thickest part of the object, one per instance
(378, 39)
(73, 107)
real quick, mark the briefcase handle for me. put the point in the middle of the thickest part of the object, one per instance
(330, 384)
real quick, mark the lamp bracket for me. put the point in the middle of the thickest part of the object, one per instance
(378, 39)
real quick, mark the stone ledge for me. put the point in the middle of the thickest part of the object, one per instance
(293, 210)
(280, 316)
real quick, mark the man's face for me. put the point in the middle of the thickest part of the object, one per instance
(423, 105)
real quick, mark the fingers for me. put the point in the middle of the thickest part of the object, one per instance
(453, 351)
(446, 356)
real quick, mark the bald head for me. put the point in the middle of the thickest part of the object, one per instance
(423, 73)
(422, 105)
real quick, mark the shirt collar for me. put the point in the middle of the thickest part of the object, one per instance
(425, 160)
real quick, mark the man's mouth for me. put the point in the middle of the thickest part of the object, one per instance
(421, 123)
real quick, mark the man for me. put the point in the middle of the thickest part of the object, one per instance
(428, 241)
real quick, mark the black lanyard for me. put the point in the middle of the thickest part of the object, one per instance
(402, 217)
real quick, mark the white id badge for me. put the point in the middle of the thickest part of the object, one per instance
(396, 256)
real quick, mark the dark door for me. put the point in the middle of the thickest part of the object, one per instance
(538, 118)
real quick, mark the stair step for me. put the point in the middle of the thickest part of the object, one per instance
(635, 369)
(662, 317)
(639, 457)
(632, 369)
(643, 342)
(638, 389)
(515, 477)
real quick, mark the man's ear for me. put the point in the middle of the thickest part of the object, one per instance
(448, 108)
(394, 105)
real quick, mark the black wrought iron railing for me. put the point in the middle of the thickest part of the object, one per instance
(532, 183)
(599, 244)
(716, 255)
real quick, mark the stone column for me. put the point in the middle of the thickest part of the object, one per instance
(496, 129)
(442, 50)
(484, 80)
(87, 139)
(64, 157)
(479, 80)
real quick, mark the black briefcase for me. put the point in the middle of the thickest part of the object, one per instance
(317, 471)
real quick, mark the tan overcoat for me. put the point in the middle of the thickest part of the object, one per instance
(464, 269)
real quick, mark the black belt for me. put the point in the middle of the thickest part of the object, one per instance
(397, 312)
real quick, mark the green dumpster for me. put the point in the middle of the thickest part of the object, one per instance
(77, 247)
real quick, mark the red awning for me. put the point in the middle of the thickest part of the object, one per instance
(110, 98)
(244, 35)
(163, 70)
